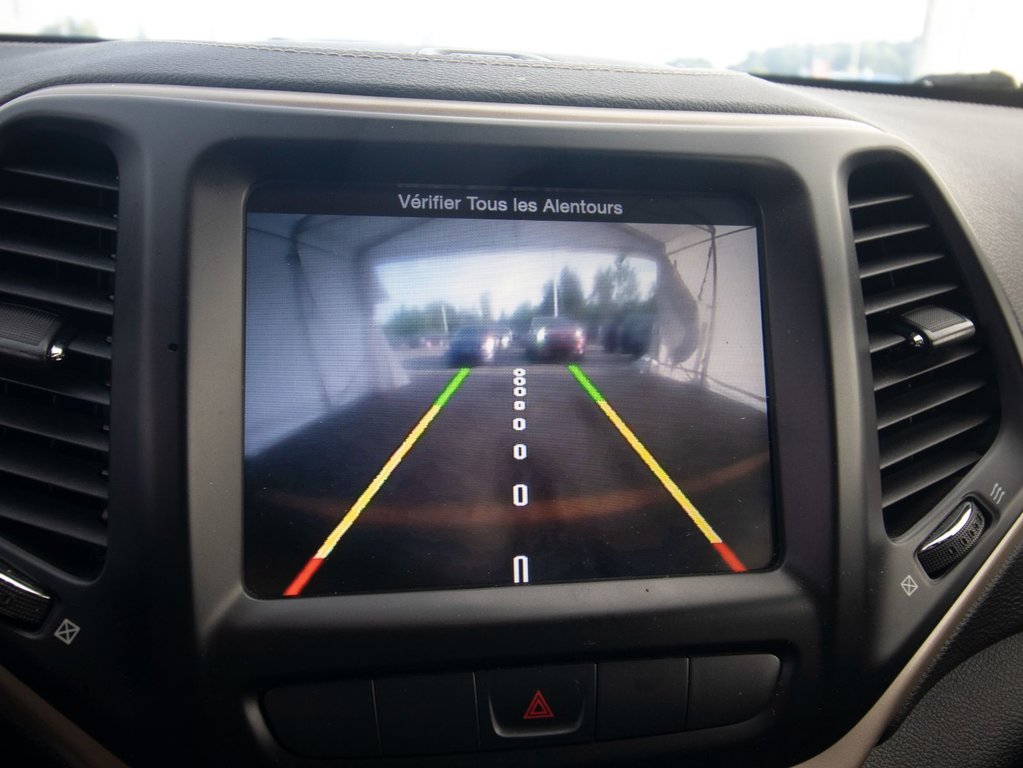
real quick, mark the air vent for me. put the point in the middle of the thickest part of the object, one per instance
(936, 398)
(58, 238)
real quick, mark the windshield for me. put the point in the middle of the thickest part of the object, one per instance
(872, 40)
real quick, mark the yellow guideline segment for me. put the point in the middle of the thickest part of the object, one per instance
(371, 490)
(676, 493)
(303, 577)
(392, 463)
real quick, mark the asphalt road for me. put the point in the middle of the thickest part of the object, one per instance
(450, 514)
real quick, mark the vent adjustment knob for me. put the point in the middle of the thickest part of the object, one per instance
(31, 334)
(936, 326)
(953, 539)
(21, 602)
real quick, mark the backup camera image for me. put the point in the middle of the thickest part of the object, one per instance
(436, 402)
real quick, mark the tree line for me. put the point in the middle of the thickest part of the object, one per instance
(615, 293)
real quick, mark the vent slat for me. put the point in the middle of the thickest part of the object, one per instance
(90, 344)
(51, 252)
(902, 484)
(78, 388)
(937, 406)
(889, 264)
(58, 245)
(872, 200)
(882, 340)
(889, 300)
(64, 174)
(883, 231)
(911, 367)
(927, 434)
(76, 429)
(86, 217)
(923, 399)
(72, 296)
(68, 472)
(47, 514)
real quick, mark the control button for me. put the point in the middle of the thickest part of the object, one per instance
(429, 714)
(729, 689)
(952, 540)
(641, 698)
(324, 719)
(21, 602)
(536, 706)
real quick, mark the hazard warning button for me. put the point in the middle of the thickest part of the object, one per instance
(536, 706)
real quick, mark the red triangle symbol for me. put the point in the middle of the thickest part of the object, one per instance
(538, 708)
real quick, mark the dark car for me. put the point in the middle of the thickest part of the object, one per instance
(472, 345)
(634, 334)
(629, 335)
(555, 338)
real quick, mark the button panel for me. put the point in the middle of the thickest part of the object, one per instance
(536, 706)
(427, 714)
(641, 698)
(729, 689)
(335, 719)
(527, 707)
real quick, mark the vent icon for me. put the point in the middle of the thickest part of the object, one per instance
(67, 631)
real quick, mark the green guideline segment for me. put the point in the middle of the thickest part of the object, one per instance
(586, 383)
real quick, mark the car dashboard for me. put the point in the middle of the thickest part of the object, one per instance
(154, 408)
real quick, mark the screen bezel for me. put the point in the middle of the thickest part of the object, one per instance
(256, 644)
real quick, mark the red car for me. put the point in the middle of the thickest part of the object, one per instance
(553, 338)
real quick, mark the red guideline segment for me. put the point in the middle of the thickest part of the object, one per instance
(296, 587)
(730, 558)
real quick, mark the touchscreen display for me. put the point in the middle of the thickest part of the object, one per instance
(459, 387)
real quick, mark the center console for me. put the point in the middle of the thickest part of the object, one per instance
(536, 447)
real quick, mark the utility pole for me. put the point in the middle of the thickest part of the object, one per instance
(926, 60)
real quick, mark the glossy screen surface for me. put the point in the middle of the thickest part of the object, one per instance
(471, 388)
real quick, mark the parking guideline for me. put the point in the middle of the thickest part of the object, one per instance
(300, 581)
(725, 552)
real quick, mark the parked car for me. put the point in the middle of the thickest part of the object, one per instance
(555, 338)
(472, 345)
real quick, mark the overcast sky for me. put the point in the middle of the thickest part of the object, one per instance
(970, 32)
